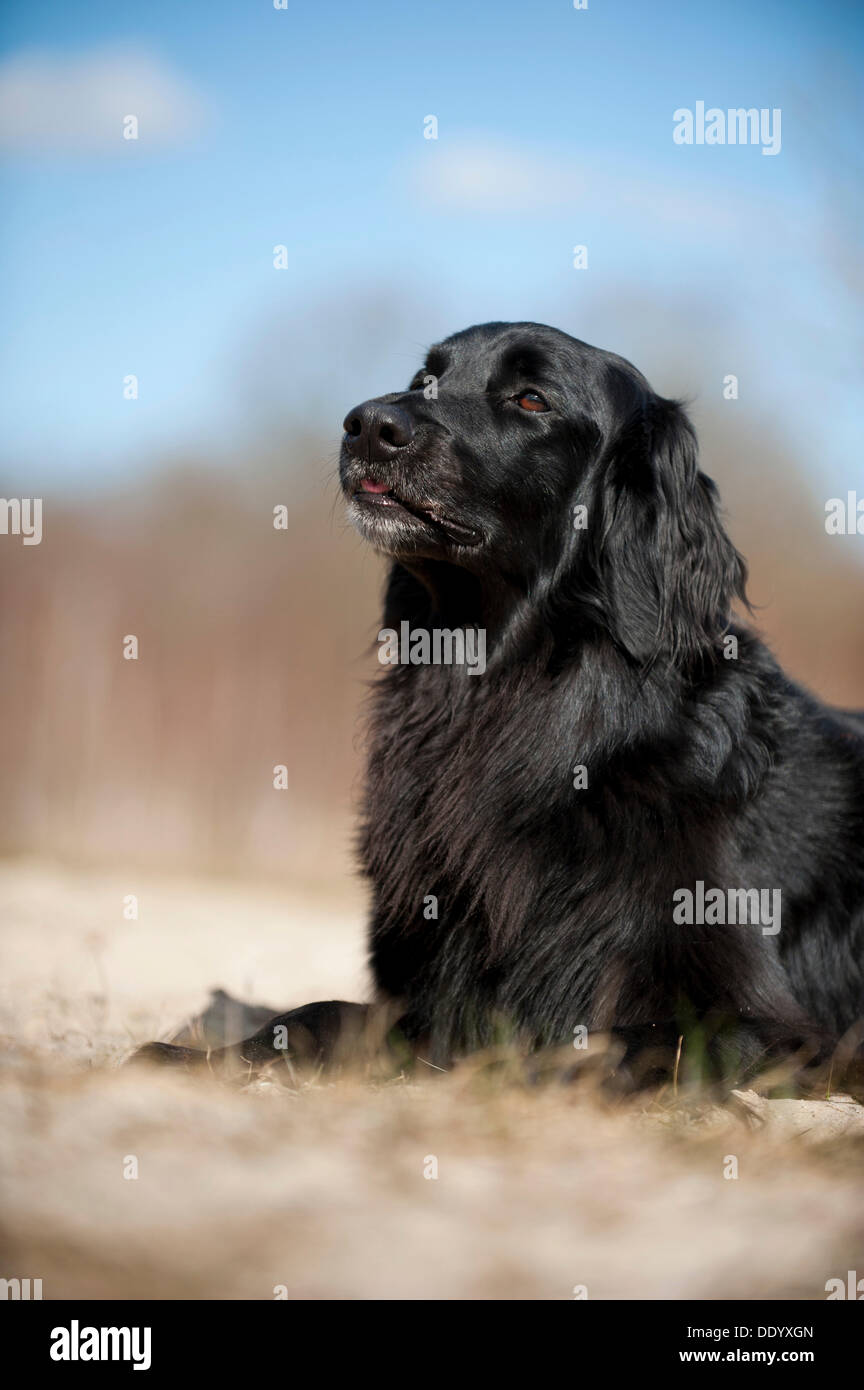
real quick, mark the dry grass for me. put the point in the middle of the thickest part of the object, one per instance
(321, 1189)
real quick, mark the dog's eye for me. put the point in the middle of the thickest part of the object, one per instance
(531, 400)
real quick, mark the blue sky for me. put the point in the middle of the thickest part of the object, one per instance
(304, 127)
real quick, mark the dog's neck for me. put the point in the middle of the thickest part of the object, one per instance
(435, 593)
(513, 615)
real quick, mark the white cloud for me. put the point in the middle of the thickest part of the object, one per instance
(62, 105)
(490, 177)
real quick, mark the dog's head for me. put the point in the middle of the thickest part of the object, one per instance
(539, 463)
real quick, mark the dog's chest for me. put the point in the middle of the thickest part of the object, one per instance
(444, 753)
(462, 777)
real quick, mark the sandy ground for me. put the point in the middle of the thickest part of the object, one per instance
(131, 1184)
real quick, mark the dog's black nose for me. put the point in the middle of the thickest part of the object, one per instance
(376, 430)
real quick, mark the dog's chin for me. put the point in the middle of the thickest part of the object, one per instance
(392, 530)
(399, 529)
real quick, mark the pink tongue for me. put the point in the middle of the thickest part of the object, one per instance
(367, 485)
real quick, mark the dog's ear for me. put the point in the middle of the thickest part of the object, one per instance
(665, 573)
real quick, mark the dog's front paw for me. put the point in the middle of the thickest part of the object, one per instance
(167, 1055)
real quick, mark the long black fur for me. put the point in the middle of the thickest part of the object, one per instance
(605, 649)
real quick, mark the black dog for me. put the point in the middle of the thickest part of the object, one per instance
(585, 830)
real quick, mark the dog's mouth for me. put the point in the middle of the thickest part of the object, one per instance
(376, 496)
